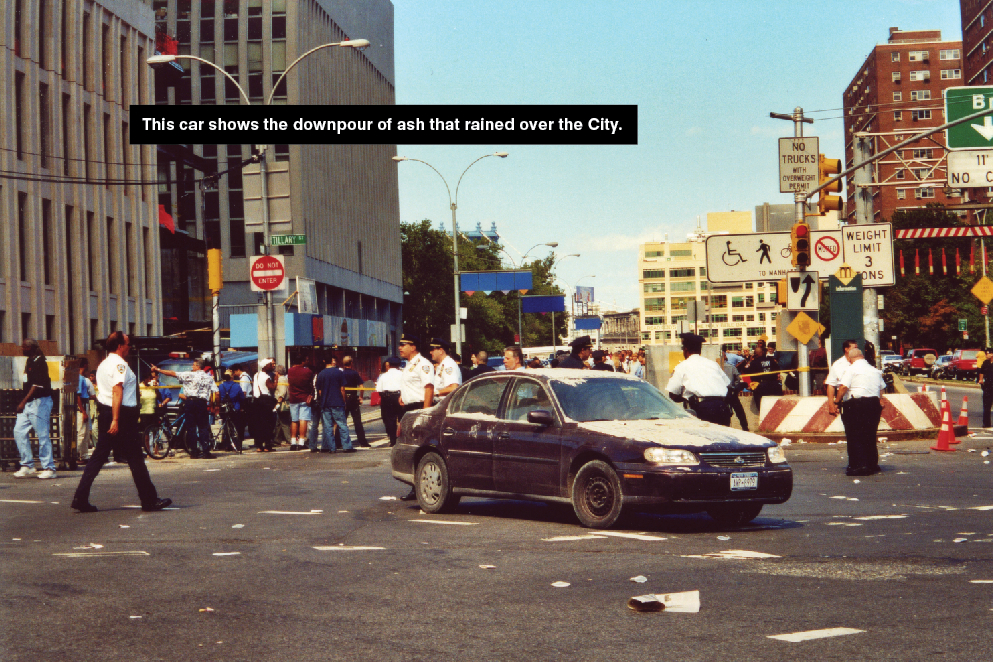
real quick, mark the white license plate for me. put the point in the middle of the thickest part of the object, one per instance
(747, 481)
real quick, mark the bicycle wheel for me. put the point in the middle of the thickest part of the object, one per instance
(156, 442)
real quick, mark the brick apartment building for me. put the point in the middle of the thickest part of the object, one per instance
(895, 93)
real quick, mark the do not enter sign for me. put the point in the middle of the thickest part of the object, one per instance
(267, 273)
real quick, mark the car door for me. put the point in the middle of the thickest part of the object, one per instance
(467, 432)
(526, 456)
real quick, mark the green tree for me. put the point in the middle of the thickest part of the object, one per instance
(923, 310)
(429, 291)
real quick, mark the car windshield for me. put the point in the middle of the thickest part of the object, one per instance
(612, 399)
(970, 354)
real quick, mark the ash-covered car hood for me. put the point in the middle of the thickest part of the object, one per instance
(677, 433)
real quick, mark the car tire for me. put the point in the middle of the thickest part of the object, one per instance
(734, 515)
(596, 495)
(433, 487)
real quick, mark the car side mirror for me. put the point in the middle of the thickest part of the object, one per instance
(541, 417)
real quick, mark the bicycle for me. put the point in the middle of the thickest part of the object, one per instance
(168, 435)
(227, 437)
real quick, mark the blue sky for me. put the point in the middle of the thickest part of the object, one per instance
(705, 76)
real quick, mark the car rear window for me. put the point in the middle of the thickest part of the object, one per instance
(921, 353)
(612, 399)
(970, 355)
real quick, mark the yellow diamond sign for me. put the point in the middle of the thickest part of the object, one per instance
(845, 274)
(983, 290)
(803, 327)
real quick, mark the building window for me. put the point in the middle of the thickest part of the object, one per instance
(731, 333)
(737, 318)
(654, 254)
(921, 153)
(22, 234)
(653, 273)
(761, 298)
(47, 249)
(676, 319)
(111, 257)
(755, 331)
(719, 301)
(654, 320)
(895, 56)
(920, 95)
(655, 305)
(737, 302)
(682, 273)
(924, 192)
(646, 335)
(683, 287)
(655, 287)
(681, 252)
(917, 56)
(920, 174)
(920, 114)
(899, 174)
(761, 317)
(896, 76)
(898, 96)
(949, 54)
(19, 114)
(897, 116)
(951, 74)
(679, 303)
(920, 76)
(901, 194)
(749, 318)
(717, 319)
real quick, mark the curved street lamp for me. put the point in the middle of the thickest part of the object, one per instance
(166, 58)
(453, 204)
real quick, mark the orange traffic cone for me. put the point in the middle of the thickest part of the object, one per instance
(944, 398)
(964, 413)
(945, 433)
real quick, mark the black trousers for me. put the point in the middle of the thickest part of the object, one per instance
(765, 388)
(263, 421)
(352, 407)
(987, 404)
(389, 407)
(860, 417)
(738, 410)
(198, 426)
(714, 411)
(126, 445)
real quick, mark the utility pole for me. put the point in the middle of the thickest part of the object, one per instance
(269, 318)
(862, 179)
(799, 208)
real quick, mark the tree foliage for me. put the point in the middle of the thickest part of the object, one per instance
(429, 292)
(923, 310)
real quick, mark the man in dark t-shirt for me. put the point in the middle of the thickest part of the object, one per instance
(35, 412)
(331, 397)
(353, 399)
(301, 392)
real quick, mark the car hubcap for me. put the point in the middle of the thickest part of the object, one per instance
(599, 496)
(431, 483)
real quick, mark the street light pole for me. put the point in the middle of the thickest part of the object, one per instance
(263, 172)
(555, 336)
(453, 204)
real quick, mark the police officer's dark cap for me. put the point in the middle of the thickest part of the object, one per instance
(439, 343)
(581, 343)
(599, 354)
(691, 341)
(411, 340)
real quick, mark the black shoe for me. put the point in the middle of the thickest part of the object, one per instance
(349, 450)
(327, 450)
(158, 505)
(363, 445)
(411, 496)
(83, 507)
(194, 456)
(208, 456)
(314, 450)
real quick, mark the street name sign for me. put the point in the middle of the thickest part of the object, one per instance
(802, 292)
(970, 168)
(287, 239)
(964, 101)
(740, 258)
(868, 248)
(798, 171)
(267, 273)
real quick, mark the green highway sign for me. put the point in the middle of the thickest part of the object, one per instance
(287, 239)
(963, 325)
(964, 101)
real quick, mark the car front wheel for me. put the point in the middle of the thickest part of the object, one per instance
(596, 495)
(735, 515)
(432, 486)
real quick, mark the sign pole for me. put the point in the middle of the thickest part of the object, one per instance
(270, 349)
(799, 207)
(862, 179)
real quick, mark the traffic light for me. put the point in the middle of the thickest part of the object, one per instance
(800, 244)
(826, 169)
(215, 274)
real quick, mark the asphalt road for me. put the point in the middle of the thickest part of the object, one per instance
(337, 572)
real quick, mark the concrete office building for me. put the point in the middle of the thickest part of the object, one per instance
(896, 93)
(344, 198)
(79, 239)
(673, 274)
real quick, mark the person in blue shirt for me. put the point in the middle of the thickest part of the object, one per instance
(331, 396)
(232, 394)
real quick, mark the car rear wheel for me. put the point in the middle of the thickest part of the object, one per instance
(735, 515)
(431, 484)
(596, 495)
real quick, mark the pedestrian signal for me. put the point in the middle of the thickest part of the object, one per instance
(800, 244)
(826, 169)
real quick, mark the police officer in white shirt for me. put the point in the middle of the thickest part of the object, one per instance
(263, 416)
(388, 387)
(860, 413)
(833, 380)
(117, 425)
(701, 382)
(416, 383)
(448, 377)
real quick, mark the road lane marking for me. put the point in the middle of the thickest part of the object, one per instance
(227, 553)
(19, 501)
(732, 554)
(289, 512)
(873, 517)
(632, 536)
(981, 508)
(795, 637)
(586, 536)
(981, 581)
(441, 521)
(79, 555)
(348, 548)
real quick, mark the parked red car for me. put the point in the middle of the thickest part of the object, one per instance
(963, 365)
(920, 360)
